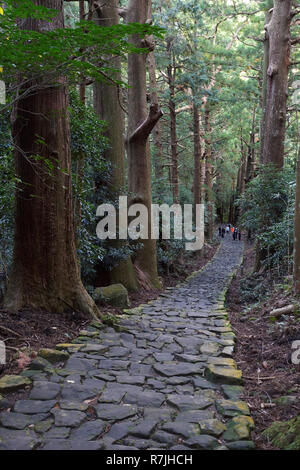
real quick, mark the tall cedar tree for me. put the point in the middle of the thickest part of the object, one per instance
(108, 107)
(140, 125)
(45, 272)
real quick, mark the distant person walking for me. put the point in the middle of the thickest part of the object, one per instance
(220, 231)
(235, 233)
(240, 235)
(223, 232)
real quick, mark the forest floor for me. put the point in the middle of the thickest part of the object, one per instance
(28, 331)
(263, 350)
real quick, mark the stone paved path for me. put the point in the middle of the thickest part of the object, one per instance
(164, 380)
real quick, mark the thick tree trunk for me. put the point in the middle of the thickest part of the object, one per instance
(278, 30)
(140, 125)
(108, 108)
(45, 273)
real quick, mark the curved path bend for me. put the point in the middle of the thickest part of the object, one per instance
(165, 379)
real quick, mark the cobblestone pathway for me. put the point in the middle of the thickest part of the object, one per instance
(164, 380)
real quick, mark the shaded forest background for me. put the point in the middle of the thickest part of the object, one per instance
(205, 74)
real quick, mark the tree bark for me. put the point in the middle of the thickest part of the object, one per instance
(297, 232)
(80, 160)
(45, 272)
(173, 125)
(140, 125)
(157, 131)
(268, 16)
(107, 106)
(209, 173)
(278, 30)
(197, 156)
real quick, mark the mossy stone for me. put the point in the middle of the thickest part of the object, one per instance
(53, 355)
(12, 383)
(115, 294)
(284, 435)
(225, 375)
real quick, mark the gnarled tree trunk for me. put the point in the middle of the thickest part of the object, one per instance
(140, 125)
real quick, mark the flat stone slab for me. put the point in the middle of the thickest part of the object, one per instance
(195, 416)
(203, 442)
(34, 406)
(11, 439)
(115, 412)
(68, 418)
(176, 369)
(72, 444)
(185, 402)
(184, 429)
(44, 391)
(145, 428)
(89, 430)
(145, 398)
(18, 420)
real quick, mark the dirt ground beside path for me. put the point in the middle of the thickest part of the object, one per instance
(264, 358)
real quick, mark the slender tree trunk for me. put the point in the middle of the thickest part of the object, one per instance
(157, 131)
(197, 155)
(278, 30)
(209, 173)
(45, 272)
(108, 107)
(80, 157)
(251, 151)
(297, 232)
(202, 178)
(173, 126)
(140, 125)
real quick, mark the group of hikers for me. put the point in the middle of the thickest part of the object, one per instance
(236, 233)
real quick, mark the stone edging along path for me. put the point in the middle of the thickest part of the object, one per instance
(163, 378)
